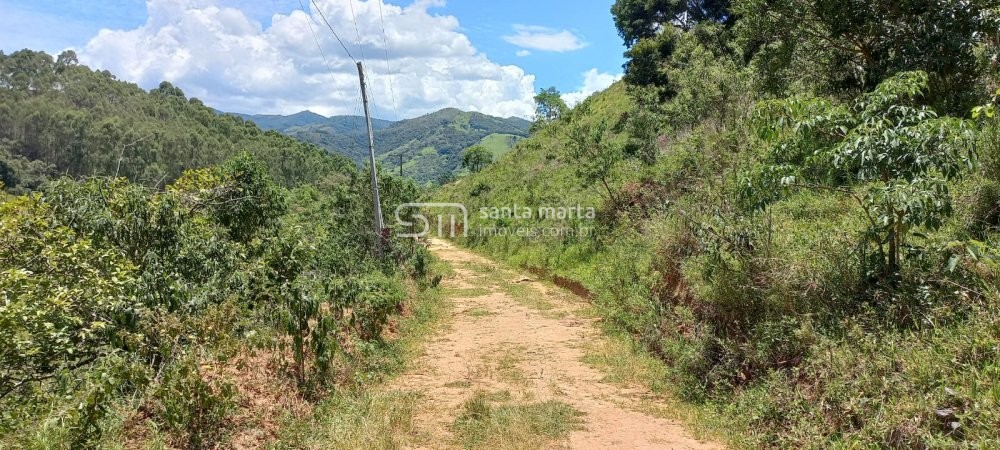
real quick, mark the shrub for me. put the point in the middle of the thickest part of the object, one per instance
(367, 301)
(192, 407)
(901, 151)
(62, 301)
(978, 206)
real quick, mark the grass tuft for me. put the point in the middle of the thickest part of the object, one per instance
(487, 421)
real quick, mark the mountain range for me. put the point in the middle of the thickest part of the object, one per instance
(427, 149)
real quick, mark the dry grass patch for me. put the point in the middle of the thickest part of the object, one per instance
(503, 364)
(478, 312)
(491, 421)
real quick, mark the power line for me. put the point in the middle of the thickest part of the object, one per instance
(385, 45)
(361, 48)
(371, 92)
(316, 39)
(320, 11)
(357, 103)
(356, 29)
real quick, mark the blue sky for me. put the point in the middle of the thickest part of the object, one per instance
(470, 61)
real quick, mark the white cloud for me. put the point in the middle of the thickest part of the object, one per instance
(593, 82)
(522, 53)
(544, 39)
(234, 63)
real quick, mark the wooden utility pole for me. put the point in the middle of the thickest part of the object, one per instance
(376, 201)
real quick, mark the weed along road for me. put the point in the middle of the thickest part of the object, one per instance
(511, 368)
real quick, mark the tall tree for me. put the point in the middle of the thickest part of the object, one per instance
(476, 158)
(850, 46)
(549, 105)
(643, 19)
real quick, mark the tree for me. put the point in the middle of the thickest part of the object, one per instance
(476, 158)
(57, 117)
(62, 295)
(847, 47)
(549, 105)
(595, 156)
(643, 19)
(168, 89)
(67, 58)
(445, 178)
(646, 60)
(8, 177)
(900, 151)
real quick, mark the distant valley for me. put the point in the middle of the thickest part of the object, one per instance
(428, 148)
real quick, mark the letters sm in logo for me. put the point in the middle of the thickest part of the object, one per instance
(446, 218)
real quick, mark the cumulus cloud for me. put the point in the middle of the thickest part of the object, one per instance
(593, 81)
(522, 53)
(544, 39)
(231, 62)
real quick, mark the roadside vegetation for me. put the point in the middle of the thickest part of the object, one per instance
(797, 212)
(220, 301)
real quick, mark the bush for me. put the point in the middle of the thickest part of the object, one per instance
(62, 301)
(366, 303)
(978, 206)
(192, 407)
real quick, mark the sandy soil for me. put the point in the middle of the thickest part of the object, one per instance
(495, 340)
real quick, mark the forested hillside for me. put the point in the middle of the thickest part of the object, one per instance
(345, 135)
(338, 124)
(430, 146)
(171, 278)
(797, 210)
(61, 118)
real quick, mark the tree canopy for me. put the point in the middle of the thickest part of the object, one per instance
(549, 105)
(847, 47)
(476, 158)
(58, 117)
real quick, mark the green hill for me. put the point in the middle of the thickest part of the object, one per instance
(335, 124)
(344, 135)
(431, 146)
(447, 132)
(58, 117)
(815, 271)
(499, 144)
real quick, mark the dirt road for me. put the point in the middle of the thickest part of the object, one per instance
(508, 333)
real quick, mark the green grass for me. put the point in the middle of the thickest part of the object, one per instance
(520, 290)
(534, 298)
(503, 364)
(461, 122)
(499, 144)
(353, 421)
(491, 421)
(629, 365)
(467, 292)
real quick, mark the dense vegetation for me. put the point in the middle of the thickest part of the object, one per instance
(61, 118)
(798, 210)
(340, 125)
(344, 135)
(224, 270)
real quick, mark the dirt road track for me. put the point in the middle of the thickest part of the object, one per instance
(508, 332)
